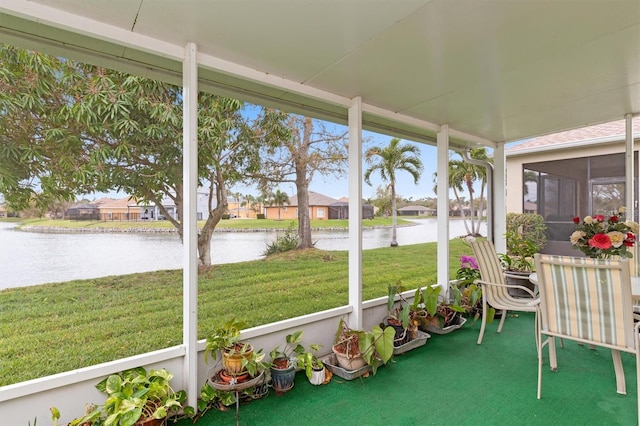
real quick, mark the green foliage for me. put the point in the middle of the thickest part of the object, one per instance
(308, 361)
(283, 243)
(224, 337)
(292, 348)
(526, 234)
(134, 395)
(375, 346)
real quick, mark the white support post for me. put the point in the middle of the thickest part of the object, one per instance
(499, 198)
(189, 221)
(355, 213)
(442, 182)
(629, 167)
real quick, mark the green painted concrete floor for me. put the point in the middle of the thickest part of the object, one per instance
(452, 380)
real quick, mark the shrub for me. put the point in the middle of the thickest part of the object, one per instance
(286, 242)
(526, 234)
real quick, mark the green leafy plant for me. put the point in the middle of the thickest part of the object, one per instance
(308, 361)
(225, 338)
(283, 243)
(292, 348)
(375, 346)
(134, 395)
(525, 236)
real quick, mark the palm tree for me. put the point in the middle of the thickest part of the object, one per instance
(386, 161)
(463, 174)
(279, 199)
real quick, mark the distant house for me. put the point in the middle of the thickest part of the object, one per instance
(82, 212)
(415, 211)
(340, 210)
(3, 210)
(116, 209)
(318, 207)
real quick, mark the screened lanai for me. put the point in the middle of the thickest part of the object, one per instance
(453, 74)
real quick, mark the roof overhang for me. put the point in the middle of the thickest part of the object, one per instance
(493, 71)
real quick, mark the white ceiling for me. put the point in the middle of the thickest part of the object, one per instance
(493, 70)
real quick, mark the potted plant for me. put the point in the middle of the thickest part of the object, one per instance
(135, 398)
(438, 315)
(403, 318)
(356, 348)
(314, 368)
(236, 355)
(283, 363)
(525, 236)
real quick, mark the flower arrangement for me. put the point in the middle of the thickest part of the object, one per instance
(603, 236)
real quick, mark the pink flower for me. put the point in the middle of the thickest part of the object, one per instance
(599, 218)
(600, 241)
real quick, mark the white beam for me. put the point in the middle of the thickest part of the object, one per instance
(189, 221)
(355, 213)
(499, 198)
(629, 168)
(443, 207)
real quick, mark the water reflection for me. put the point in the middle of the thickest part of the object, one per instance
(29, 258)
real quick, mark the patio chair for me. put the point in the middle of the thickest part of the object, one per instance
(495, 290)
(589, 301)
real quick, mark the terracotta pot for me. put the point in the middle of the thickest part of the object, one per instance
(232, 362)
(228, 378)
(151, 422)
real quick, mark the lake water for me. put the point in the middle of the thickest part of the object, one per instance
(30, 258)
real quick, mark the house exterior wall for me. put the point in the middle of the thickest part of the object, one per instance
(516, 161)
(286, 212)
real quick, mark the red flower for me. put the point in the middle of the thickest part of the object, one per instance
(629, 240)
(599, 218)
(576, 220)
(613, 219)
(600, 241)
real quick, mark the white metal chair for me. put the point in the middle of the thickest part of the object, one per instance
(589, 301)
(495, 290)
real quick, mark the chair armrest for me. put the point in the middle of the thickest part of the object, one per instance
(533, 295)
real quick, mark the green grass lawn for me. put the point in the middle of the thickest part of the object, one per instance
(51, 328)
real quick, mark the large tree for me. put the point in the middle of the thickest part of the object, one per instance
(36, 168)
(310, 149)
(387, 161)
(97, 130)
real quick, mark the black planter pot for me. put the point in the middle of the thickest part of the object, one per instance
(282, 378)
(402, 336)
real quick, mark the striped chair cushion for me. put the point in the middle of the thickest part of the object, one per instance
(587, 298)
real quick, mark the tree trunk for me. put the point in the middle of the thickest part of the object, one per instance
(302, 186)
(394, 220)
(304, 220)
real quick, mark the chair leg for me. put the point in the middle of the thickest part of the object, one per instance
(621, 384)
(539, 346)
(484, 319)
(553, 358)
(504, 316)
